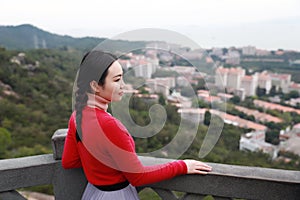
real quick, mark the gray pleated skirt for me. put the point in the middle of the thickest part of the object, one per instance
(93, 193)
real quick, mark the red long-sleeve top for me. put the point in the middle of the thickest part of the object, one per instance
(107, 153)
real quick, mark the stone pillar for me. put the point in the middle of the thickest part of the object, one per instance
(68, 183)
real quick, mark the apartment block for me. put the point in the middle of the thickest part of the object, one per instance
(161, 85)
(249, 83)
(255, 141)
(282, 81)
(229, 77)
(195, 115)
(249, 50)
(265, 81)
(144, 68)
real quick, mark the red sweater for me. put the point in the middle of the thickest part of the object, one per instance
(107, 153)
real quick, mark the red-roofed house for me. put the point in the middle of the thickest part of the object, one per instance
(294, 87)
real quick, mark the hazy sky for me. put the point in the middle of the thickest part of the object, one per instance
(267, 24)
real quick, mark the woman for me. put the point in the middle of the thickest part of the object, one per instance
(101, 145)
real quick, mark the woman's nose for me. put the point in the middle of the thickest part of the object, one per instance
(122, 84)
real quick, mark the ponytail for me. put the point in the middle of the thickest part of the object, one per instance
(81, 101)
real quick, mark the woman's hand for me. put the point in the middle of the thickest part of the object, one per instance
(197, 167)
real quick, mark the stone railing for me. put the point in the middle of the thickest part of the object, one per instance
(225, 182)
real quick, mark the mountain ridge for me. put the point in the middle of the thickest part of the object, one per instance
(27, 36)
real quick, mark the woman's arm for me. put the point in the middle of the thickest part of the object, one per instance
(122, 150)
(70, 158)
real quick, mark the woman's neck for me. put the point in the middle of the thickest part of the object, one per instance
(96, 101)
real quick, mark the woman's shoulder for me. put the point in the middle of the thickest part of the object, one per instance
(104, 116)
(110, 122)
(72, 118)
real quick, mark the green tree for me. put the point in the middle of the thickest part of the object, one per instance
(5, 140)
(172, 114)
(272, 136)
(235, 99)
(260, 91)
(286, 116)
(207, 117)
(291, 94)
(273, 91)
(161, 100)
(203, 104)
(201, 85)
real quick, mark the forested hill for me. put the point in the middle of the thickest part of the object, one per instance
(35, 98)
(26, 36)
(37, 71)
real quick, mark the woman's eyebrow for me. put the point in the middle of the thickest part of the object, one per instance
(119, 75)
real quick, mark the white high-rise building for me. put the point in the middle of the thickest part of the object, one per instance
(234, 77)
(264, 81)
(282, 81)
(249, 50)
(161, 85)
(221, 77)
(144, 68)
(249, 83)
(229, 78)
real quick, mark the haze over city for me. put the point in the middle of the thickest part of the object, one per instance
(266, 24)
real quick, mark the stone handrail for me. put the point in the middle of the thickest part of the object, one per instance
(225, 182)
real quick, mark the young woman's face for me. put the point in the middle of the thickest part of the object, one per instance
(112, 89)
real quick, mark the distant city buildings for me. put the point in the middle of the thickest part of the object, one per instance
(249, 84)
(249, 50)
(161, 85)
(294, 87)
(237, 121)
(282, 81)
(264, 81)
(230, 78)
(259, 116)
(233, 58)
(235, 81)
(272, 106)
(195, 115)
(255, 141)
(179, 101)
(144, 68)
(141, 65)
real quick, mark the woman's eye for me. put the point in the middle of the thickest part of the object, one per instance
(117, 80)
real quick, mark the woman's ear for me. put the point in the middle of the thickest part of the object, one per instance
(95, 86)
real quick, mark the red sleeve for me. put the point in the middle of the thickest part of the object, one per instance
(122, 151)
(70, 157)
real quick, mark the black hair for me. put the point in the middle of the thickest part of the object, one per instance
(94, 67)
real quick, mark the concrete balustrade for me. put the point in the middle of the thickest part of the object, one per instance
(224, 182)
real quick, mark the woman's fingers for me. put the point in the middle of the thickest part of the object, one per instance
(204, 167)
(197, 167)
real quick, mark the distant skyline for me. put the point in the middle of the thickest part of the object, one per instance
(266, 24)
